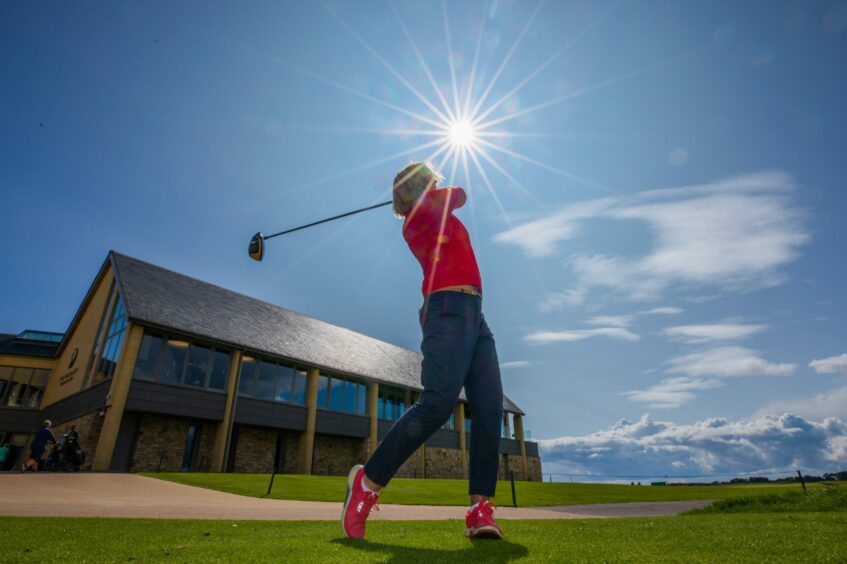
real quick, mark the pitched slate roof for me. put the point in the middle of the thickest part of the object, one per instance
(160, 297)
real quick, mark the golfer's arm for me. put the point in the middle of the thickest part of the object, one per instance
(453, 195)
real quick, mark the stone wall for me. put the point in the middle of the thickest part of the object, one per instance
(534, 464)
(513, 462)
(160, 444)
(255, 449)
(413, 467)
(291, 453)
(202, 460)
(88, 428)
(334, 455)
(444, 463)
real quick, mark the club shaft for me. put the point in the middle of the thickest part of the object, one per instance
(333, 218)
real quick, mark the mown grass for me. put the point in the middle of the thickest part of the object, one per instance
(455, 492)
(825, 499)
(784, 537)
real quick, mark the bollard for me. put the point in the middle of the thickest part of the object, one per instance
(512, 478)
(271, 485)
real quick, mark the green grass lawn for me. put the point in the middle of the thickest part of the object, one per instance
(783, 537)
(829, 498)
(454, 492)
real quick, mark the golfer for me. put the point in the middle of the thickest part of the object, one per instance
(458, 350)
(39, 444)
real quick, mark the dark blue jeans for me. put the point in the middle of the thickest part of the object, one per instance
(458, 350)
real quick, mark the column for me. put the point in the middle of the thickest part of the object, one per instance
(307, 437)
(116, 399)
(506, 428)
(223, 434)
(460, 423)
(519, 435)
(373, 415)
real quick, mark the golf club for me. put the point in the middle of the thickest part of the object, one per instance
(256, 248)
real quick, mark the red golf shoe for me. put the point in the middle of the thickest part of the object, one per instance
(480, 523)
(357, 505)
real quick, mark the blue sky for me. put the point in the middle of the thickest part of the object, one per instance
(660, 283)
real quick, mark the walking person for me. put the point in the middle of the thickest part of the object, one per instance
(458, 350)
(43, 436)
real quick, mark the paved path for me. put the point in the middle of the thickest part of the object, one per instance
(128, 495)
(636, 509)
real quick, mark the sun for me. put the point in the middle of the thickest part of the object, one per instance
(461, 134)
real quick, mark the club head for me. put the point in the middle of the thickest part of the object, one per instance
(256, 248)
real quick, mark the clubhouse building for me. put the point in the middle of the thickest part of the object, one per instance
(162, 372)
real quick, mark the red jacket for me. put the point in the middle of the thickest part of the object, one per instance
(440, 242)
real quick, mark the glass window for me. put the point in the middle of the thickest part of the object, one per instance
(283, 384)
(37, 386)
(323, 390)
(16, 390)
(173, 361)
(380, 406)
(111, 343)
(5, 382)
(248, 372)
(299, 393)
(107, 360)
(220, 370)
(349, 405)
(20, 385)
(336, 393)
(362, 399)
(190, 446)
(148, 356)
(198, 366)
(266, 380)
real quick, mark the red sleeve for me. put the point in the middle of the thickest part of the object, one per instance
(455, 195)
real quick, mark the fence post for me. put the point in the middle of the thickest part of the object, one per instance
(802, 481)
(512, 478)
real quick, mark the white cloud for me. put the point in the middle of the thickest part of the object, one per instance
(672, 392)
(735, 234)
(711, 332)
(831, 365)
(827, 404)
(713, 446)
(728, 361)
(538, 238)
(705, 370)
(559, 300)
(628, 319)
(662, 311)
(544, 337)
(515, 364)
(613, 320)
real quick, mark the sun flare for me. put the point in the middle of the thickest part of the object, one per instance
(461, 134)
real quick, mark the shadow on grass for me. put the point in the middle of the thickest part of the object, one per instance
(477, 551)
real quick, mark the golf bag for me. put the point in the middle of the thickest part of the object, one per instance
(66, 455)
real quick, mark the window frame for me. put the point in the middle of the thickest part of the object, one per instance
(164, 338)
